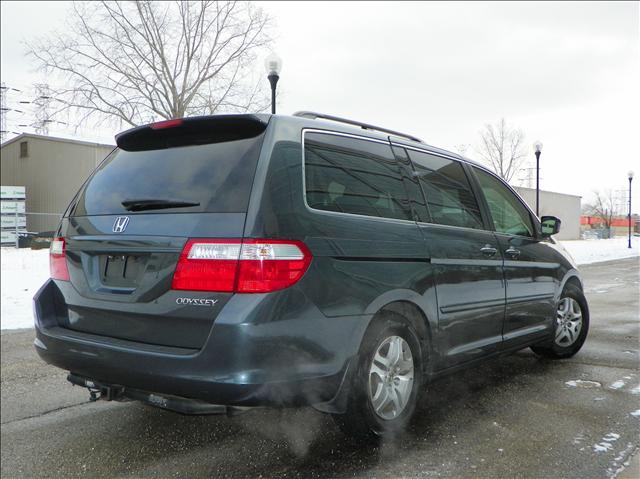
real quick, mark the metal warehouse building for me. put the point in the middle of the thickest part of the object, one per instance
(51, 169)
(566, 207)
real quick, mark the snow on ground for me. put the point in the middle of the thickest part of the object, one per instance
(25, 270)
(595, 251)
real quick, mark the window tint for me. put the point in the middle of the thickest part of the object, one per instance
(353, 176)
(217, 176)
(412, 184)
(508, 213)
(449, 196)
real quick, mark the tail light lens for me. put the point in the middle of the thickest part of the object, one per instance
(249, 266)
(207, 265)
(58, 260)
(269, 265)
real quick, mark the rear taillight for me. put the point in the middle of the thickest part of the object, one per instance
(58, 260)
(240, 266)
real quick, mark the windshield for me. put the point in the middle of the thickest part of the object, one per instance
(213, 178)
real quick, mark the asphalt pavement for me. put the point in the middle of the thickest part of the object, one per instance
(514, 417)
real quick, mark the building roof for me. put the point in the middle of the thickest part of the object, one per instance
(55, 138)
(545, 191)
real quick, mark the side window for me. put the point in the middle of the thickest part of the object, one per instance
(449, 195)
(412, 185)
(353, 176)
(509, 215)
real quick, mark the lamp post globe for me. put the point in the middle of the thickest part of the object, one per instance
(273, 65)
(630, 176)
(537, 148)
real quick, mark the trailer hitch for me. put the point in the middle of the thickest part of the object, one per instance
(97, 391)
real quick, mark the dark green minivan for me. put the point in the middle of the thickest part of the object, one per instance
(217, 263)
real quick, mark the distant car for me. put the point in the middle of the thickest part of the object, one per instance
(215, 263)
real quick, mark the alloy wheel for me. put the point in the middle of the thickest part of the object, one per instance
(569, 322)
(391, 377)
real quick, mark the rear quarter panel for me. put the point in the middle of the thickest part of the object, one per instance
(360, 264)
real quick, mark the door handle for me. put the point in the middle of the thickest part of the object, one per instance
(488, 250)
(513, 252)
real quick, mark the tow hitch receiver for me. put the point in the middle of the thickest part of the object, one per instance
(96, 390)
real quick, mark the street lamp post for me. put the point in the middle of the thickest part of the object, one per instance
(630, 175)
(537, 147)
(273, 64)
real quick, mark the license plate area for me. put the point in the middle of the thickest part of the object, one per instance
(122, 270)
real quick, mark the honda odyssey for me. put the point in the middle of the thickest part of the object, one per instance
(212, 264)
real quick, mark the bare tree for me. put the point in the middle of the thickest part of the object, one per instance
(138, 61)
(605, 207)
(502, 148)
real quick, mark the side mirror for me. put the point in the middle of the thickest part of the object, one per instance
(550, 225)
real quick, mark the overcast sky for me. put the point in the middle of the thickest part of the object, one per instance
(567, 74)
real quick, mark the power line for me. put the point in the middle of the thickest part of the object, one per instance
(28, 108)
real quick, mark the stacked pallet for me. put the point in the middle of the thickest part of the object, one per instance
(14, 220)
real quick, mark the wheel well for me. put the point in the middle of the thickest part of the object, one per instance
(575, 282)
(414, 316)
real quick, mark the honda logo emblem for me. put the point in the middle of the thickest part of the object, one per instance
(120, 224)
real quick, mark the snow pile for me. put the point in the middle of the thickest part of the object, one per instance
(595, 251)
(23, 272)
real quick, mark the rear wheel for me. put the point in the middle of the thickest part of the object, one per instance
(387, 381)
(571, 326)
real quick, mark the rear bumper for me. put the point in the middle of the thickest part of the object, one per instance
(267, 363)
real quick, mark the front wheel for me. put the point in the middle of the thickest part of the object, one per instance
(387, 381)
(571, 326)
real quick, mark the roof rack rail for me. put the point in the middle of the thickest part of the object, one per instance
(365, 126)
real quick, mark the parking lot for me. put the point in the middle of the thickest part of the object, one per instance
(518, 416)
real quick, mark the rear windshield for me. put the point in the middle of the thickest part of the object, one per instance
(217, 177)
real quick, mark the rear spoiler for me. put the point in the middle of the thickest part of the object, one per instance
(197, 130)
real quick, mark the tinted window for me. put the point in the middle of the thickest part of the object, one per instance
(353, 176)
(217, 176)
(412, 184)
(449, 196)
(509, 214)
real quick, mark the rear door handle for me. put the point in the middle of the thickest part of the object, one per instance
(488, 250)
(513, 252)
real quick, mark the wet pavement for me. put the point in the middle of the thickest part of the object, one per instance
(517, 416)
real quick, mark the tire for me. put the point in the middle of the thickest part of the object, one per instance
(567, 345)
(361, 419)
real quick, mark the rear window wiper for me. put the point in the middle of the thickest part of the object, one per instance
(142, 204)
